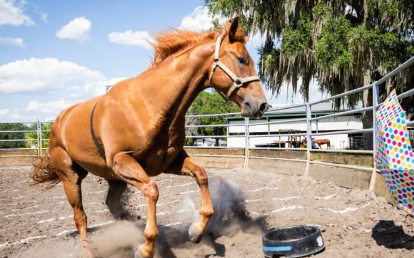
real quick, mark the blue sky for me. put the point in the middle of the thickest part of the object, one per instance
(57, 53)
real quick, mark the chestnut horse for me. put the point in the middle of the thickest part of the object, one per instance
(321, 142)
(137, 129)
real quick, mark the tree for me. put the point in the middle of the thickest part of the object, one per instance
(344, 44)
(12, 135)
(209, 103)
(34, 136)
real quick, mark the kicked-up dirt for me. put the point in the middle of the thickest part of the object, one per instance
(354, 223)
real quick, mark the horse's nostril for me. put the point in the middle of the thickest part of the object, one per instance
(263, 107)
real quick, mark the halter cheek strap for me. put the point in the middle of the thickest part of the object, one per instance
(237, 81)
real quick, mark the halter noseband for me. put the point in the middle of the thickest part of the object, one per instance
(237, 81)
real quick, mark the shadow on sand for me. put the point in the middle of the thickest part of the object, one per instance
(387, 234)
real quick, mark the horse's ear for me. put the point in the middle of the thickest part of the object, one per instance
(233, 29)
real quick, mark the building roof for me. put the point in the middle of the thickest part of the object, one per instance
(320, 109)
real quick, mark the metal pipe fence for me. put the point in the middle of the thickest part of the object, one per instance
(244, 130)
(28, 142)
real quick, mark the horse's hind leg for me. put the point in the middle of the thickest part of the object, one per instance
(183, 165)
(127, 168)
(113, 199)
(72, 175)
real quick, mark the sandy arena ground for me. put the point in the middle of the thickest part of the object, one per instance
(354, 223)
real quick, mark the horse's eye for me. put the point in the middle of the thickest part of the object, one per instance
(242, 60)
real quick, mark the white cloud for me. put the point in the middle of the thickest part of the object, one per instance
(115, 80)
(12, 14)
(14, 115)
(49, 73)
(131, 38)
(77, 29)
(40, 12)
(255, 41)
(12, 41)
(53, 106)
(48, 86)
(4, 112)
(199, 19)
(43, 17)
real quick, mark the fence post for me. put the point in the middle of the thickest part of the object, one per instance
(374, 128)
(308, 137)
(246, 142)
(39, 138)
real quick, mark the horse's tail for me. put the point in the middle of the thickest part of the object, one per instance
(43, 172)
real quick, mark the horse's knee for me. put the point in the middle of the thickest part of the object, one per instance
(207, 211)
(150, 191)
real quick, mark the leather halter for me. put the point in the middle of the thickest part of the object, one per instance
(237, 81)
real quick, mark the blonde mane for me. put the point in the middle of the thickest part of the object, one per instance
(171, 42)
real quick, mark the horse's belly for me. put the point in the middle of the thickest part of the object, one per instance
(98, 169)
(158, 161)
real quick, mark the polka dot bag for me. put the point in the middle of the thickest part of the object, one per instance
(394, 157)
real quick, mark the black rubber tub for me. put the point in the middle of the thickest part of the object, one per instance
(297, 241)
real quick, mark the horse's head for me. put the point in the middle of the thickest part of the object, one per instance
(233, 74)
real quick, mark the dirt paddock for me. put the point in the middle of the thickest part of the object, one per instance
(354, 223)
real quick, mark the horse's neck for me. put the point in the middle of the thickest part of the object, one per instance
(180, 84)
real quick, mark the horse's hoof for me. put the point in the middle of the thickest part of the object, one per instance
(138, 254)
(194, 234)
(142, 253)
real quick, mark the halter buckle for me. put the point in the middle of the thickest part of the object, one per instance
(238, 82)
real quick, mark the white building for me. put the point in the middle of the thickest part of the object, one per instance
(339, 141)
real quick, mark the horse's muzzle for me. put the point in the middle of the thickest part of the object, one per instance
(254, 110)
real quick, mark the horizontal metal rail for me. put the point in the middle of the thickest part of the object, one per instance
(287, 121)
(18, 140)
(210, 115)
(401, 96)
(359, 110)
(396, 70)
(219, 125)
(215, 155)
(213, 136)
(277, 148)
(344, 132)
(21, 131)
(406, 94)
(276, 109)
(206, 147)
(343, 151)
(277, 158)
(277, 135)
(17, 149)
(367, 87)
(18, 155)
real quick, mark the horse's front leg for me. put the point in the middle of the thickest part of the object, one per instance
(183, 165)
(130, 171)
